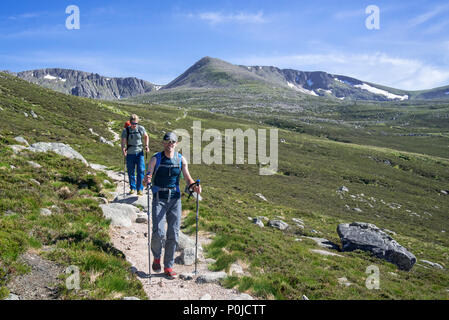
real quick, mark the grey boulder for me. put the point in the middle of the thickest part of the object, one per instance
(279, 224)
(121, 214)
(188, 256)
(59, 148)
(184, 242)
(368, 237)
(258, 222)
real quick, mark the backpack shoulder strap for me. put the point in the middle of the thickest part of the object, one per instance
(127, 138)
(158, 156)
(180, 160)
(180, 168)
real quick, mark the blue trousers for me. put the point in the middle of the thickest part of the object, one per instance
(133, 161)
(165, 211)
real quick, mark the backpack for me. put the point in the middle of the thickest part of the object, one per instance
(127, 134)
(158, 156)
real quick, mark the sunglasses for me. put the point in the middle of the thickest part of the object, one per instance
(133, 123)
(170, 141)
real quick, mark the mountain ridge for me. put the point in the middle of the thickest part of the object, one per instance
(212, 73)
(86, 84)
(204, 74)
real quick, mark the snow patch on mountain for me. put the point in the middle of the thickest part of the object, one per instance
(389, 95)
(309, 82)
(301, 89)
(344, 81)
(49, 77)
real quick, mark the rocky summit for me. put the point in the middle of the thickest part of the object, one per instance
(85, 84)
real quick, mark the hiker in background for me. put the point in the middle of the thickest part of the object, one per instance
(165, 170)
(133, 148)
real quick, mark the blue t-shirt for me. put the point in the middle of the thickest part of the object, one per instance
(167, 176)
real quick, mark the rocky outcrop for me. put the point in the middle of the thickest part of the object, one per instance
(84, 84)
(278, 224)
(368, 237)
(59, 148)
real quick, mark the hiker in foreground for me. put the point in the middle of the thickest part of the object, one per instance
(132, 149)
(165, 170)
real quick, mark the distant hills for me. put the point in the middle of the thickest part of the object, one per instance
(84, 84)
(215, 73)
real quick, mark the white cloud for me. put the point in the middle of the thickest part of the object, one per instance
(436, 27)
(219, 17)
(428, 15)
(28, 15)
(343, 15)
(36, 32)
(379, 68)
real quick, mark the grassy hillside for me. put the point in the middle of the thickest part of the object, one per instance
(417, 126)
(313, 164)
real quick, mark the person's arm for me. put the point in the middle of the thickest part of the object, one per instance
(124, 142)
(149, 173)
(187, 176)
(147, 141)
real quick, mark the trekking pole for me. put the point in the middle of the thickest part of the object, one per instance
(124, 174)
(149, 232)
(197, 182)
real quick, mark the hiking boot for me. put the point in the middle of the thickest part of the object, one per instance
(132, 191)
(139, 193)
(170, 273)
(157, 265)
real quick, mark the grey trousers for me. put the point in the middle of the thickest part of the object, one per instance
(170, 212)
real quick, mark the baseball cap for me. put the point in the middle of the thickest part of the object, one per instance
(171, 136)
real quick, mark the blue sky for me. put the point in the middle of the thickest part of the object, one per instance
(158, 40)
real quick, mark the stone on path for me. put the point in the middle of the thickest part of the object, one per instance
(210, 277)
(121, 214)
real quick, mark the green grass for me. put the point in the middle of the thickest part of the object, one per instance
(313, 163)
(76, 233)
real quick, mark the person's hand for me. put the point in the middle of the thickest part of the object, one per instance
(147, 179)
(147, 149)
(197, 189)
(125, 152)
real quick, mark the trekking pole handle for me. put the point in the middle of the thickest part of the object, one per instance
(197, 182)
